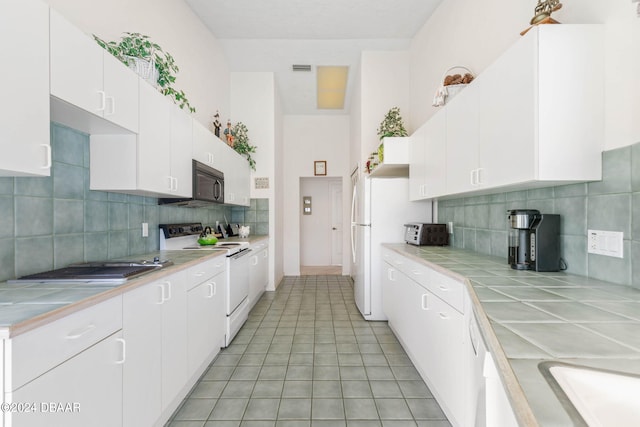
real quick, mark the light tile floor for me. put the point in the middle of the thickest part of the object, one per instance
(307, 358)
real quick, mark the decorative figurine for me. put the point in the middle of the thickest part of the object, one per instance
(216, 124)
(228, 132)
(542, 13)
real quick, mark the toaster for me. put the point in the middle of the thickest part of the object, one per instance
(421, 234)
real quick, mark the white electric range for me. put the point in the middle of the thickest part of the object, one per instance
(185, 237)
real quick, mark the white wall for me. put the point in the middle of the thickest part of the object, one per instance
(474, 34)
(278, 254)
(306, 139)
(253, 102)
(384, 85)
(204, 73)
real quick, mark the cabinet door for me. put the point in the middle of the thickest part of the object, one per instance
(258, 275)
(181, 142)
(121, 89)
(417, 167)
(203, 144)
(237, 178)
(141, 324)
(91, 382)
(174, 337)
(507, 134)
(154, 142)
(462, 141)
(435, 156)
(390, 294)
(450, 370)
(206, 318)
(24, 114)
(76, 66)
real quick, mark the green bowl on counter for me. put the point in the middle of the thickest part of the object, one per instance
(207, 241)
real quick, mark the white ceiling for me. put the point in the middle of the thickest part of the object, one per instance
(272, 35)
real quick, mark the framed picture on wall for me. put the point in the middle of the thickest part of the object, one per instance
(320, 167)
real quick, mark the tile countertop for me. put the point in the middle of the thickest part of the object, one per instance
(527, 317)
(26, 306)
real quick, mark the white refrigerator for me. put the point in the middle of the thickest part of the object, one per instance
(379, 209)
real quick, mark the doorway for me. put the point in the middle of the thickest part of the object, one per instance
(321, 229)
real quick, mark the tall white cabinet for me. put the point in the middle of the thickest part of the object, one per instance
(24, 114)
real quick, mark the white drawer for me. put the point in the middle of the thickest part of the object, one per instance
(413, 269)
(35, 352)
(205, 270)
(449, 290)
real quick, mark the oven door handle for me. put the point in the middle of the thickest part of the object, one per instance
(240, 254)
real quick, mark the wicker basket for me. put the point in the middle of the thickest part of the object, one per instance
(446, 93)
(144, 68)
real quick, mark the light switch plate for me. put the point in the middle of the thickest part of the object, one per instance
(145, 229)
(608, 243)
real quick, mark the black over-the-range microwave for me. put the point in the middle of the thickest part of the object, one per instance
(208, 187)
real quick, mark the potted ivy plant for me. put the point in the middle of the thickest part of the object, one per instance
(241, 143)
(147, 58)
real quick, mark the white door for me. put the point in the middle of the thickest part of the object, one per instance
(317, 234)
(335, 189)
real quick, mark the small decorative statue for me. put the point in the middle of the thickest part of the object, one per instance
(542, 13)
(216, 124)
(229, 134)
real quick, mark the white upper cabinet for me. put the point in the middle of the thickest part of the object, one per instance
(535, 117)
(237, 182)
(540, 125)
(181, 151)
(204, 145)
(395, 158)
(462, 141)
(156, 162)
(86, 76)
(24, 116)
(121, 89)
(427, 172)
(154, 142)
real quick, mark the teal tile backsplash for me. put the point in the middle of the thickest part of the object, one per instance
(613, 204)
(51, 222)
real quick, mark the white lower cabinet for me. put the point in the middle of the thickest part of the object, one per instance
(259, 271)
(127, 361)
(69, 371)
(86, 390)
(205, 320)
(154, 328)
(174, 341)
(431, 331)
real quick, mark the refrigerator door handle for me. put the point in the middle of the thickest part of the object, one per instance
(353, 223)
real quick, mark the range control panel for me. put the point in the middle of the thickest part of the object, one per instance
(177, 230)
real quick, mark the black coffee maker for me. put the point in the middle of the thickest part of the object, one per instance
(534, 240)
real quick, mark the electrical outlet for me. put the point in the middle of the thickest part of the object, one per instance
(608, 243)
(145, 229)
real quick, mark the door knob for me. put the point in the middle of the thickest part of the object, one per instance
(333, 228)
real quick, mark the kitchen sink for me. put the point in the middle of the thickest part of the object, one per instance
(595, 397)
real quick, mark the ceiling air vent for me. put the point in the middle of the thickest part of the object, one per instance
(301, 67)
